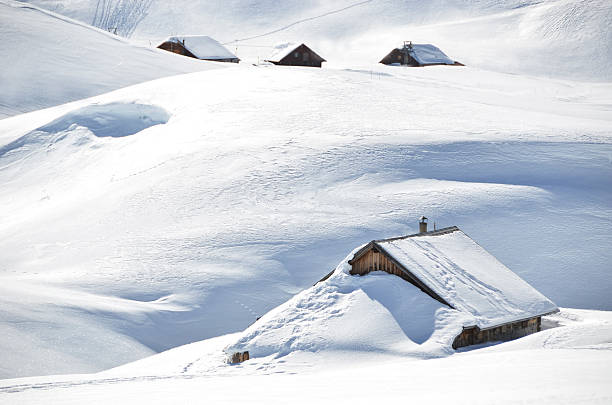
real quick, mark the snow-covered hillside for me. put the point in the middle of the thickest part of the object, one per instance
(184, 208)
(560, 38)
(48, 59)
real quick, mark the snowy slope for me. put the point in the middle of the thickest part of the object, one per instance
(49, 59)
(568, 364)
(561, 38)
(183, 208)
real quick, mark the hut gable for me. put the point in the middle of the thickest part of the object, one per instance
(199, 47)
(418, 55)
(295, 55)
(453, 269)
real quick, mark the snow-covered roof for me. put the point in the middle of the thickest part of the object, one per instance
(203, 47)
(467, 277)
(282, 50)
(427, 54)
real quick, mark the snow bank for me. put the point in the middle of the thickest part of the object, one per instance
(375, 313)
(114, 119)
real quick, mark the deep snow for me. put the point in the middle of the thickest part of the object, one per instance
(552, 38)
(567, 364)
(184, 208)
(255, 181)
(48, 59)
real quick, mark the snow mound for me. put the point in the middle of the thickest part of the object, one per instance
(101, 120)
(378, 312)
(115, 119)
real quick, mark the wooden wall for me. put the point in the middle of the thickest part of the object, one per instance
(301, 56)
(175, 47)
(509, 331)
(375, 261)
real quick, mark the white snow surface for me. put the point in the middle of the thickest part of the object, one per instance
(375, 313)
(469, 278)
(49, 59)
(551, 38)
(567, 363)
(184, 208)
(202, 46)
(427, 54)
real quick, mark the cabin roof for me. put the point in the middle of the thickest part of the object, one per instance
(203, 47)
(427, 54)
(464, 275)
(281, 51)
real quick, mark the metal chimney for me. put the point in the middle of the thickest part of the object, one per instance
(423, 224)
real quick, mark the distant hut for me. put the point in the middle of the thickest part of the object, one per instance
(418, 55)
(199, 47)
(295, 55)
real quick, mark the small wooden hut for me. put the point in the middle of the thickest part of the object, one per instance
(295, 55)
(451, 268)
(417, 55)
(199, 47)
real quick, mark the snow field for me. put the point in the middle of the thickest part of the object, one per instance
(262, 178)
(55, 60)
(559, 365)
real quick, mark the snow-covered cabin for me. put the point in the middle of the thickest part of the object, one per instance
(199, 47)
(450, 267)
(418, 55)
(292, 54)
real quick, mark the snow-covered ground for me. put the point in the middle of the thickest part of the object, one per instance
(558, 38)
(566, 364)
(246, 184)
(179, 210)
(48, 59)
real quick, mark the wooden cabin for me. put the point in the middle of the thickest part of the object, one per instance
(451, 268)
(418, 55)
(295, 55)
(198, 47)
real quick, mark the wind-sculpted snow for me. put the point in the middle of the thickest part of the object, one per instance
(114, 119)
(378, 312)
(264, 178)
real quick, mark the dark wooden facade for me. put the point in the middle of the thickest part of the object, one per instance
(300, 56)
(508, 331)
(373, 257)
(398, 56)
(179, 48)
